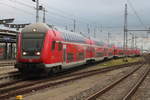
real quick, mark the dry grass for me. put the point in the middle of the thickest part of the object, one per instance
(120, 61)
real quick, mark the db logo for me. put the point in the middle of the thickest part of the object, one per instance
(30, 60)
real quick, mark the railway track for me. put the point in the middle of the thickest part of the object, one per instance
(25, 87)
(7, 63)
(9, 75)
(9, 79)
(110, 90)
(16, 74)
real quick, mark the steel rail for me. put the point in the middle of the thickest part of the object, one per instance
(138, 83)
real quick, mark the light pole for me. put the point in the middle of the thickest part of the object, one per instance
(37, 10)
(94, 32)
(74, 25)
(125, 33)
(44, 15)
(135, 42)
(108, 41)
(132, 42)
(88, 29)
(142, 45)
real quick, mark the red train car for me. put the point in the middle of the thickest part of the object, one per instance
(45, 48)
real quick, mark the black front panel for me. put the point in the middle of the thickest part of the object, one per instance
(32, 43)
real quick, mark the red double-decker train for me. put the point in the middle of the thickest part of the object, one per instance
(45, 48)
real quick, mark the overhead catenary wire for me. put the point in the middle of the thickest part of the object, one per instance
(14, 7)
(56, 12)
(47, 12)
(22, 3)
(78, 19)
(65, 13)
(136, 14)
(61, 15)
(27, 12)
(21, 12)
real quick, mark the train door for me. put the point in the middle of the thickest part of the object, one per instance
(64, 54)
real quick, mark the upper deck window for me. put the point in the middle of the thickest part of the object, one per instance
(70, 37)
(53, 45)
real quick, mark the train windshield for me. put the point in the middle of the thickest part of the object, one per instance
(32, 41)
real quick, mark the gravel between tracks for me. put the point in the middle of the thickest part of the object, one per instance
(76, 88)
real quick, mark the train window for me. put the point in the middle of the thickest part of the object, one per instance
(72, 38)
(93, 49)
(68, 37)
(99, 54)
(65, 36)
(121, 53)
(60, 46)
(88, 49)
(70, 57)
(80, 56)
(53, 45)
(105, 49)
(110, 54)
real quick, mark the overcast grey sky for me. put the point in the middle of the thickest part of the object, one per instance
(105, 14)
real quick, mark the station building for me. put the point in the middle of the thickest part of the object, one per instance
(7, 44)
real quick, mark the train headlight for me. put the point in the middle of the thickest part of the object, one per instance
(34, 30)
(24, 53)
(38, 53)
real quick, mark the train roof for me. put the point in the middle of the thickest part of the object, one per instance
(77, 37)
(40, 27)
(67, 35)
(71, 36)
